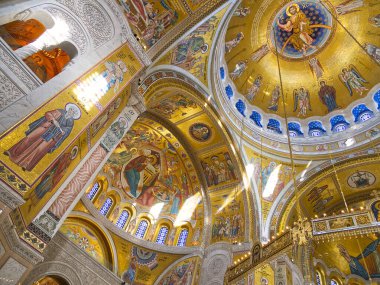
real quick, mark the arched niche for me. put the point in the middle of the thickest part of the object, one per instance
(90, 238)
(52, 280)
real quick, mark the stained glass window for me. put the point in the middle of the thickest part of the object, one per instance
(106, 206)
(93, 191)
(318, 277)
(123, 218)
(333, 282)
(162, 234)
(182, 237)
(141, 229)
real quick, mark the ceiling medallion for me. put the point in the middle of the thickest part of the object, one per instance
(301, 29)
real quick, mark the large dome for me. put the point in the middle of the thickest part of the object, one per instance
(321, 57)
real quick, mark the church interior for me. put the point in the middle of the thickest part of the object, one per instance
(189, 142)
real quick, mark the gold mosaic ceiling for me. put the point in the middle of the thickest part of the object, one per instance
(315, 41)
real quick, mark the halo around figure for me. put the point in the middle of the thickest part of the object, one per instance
(75, 108)
(293, 5)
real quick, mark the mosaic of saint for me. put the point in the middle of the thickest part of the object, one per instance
(300, 29)
(44, 136)
(150, 170)
(200, 132)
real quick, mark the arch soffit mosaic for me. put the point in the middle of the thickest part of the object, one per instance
(154, 86)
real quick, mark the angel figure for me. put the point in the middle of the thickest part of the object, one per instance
(353, 80)
(349, 6)
(301, 101)
(276, 94)
(260, 53)
(254, 89)
(234, 42)
(240, 67)
(316, 67)
(373, 51)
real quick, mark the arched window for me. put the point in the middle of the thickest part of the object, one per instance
(122, 220)
(95, 188)
(106, 207)
(333, 282)
(183, 237)
(318, 278)
(141, 229)
(162, 234)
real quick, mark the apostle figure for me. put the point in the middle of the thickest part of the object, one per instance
(349, 6)
(260, 53)
(239, 69)
(276, 94)
(316, 67)
(255, 88)
(299, 25)
(327, 94)
(234, 42)
(21, 33)
(375, 20)
(47, 63)
(44, 136)
(373, 51)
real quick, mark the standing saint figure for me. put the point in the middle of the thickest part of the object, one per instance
(301, 101)
(52, 177)
(353, 81)
(299, 25)
(44, 136)
(375, 20)
(260, 53)
(234, 42)
(373, 51)
(240, 67)
(349, 6)
(276, 94)
(316, 67)
(254, 89)
(327, 94)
